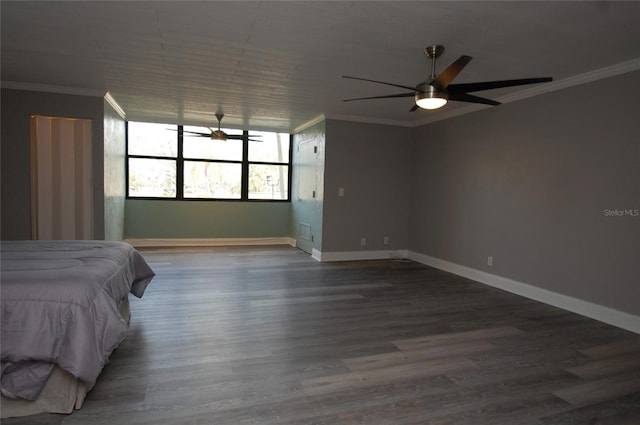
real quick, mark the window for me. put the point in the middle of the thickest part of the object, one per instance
(182, 162)
(212, 168)
(269, 165)
(152, 149)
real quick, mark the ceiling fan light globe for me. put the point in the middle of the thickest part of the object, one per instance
(430, 98)
(431, 102)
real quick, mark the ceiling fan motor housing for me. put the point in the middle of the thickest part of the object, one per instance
(427, 91)
(218, 135)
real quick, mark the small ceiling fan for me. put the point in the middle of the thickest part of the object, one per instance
(221, 135)
(435, 91)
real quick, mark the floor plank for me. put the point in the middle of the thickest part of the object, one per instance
(266, 335)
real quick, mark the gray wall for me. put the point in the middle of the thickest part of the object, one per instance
(373, 164)
(114, 173)
(16, 108)
(205, 219)
(529, 183)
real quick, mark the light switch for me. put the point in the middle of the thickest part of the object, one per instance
(341, 191)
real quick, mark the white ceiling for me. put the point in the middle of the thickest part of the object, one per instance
(278, 64)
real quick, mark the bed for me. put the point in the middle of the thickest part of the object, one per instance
(65, 308)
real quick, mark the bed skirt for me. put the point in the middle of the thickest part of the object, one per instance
(62, 393)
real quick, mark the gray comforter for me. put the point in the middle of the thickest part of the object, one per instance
(60, 307)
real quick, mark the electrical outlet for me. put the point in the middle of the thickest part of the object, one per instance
(385, 240)
(489, 261)
(363, 242)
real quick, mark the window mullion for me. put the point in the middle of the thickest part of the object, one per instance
(126, 150)
(180, 165)
(245, 166)
(290, 168)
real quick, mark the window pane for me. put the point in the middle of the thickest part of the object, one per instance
(212, 180)
(268, 181)
(153, 139)
(152, 177)
(202, 147)
(271, 147)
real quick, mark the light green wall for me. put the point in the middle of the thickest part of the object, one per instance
(205, 219)
(114, 174)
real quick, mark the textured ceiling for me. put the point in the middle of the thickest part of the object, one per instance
(278, 65)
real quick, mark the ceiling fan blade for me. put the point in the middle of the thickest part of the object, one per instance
(237, 136)
(382, 82)
(488, 85)
(465, 97)
(197, 133)
(414, 108)
(255, 140)
(445, 78)
(389, 96)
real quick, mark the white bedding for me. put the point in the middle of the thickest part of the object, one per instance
(60, 308)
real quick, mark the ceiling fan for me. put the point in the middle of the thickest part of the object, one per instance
(221, 135)
(435, 91)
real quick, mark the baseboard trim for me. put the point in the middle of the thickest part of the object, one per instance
(598, 312)
(316, 255)
(358, 255)
(195, 242)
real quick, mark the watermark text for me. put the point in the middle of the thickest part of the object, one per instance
(628, 212)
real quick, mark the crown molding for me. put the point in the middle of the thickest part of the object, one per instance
(53, 89)
(310, 123)
(111, 101)
(576, 80)
(369, 120)
(352, 118)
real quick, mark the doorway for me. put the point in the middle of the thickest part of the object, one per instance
(308, 202)
(61, 178)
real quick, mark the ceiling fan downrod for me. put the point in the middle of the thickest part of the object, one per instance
(433, 51)
(219, 134)
(219, 116)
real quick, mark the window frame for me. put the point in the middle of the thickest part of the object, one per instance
(180, 160)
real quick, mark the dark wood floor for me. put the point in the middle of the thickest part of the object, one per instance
(267, 335)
